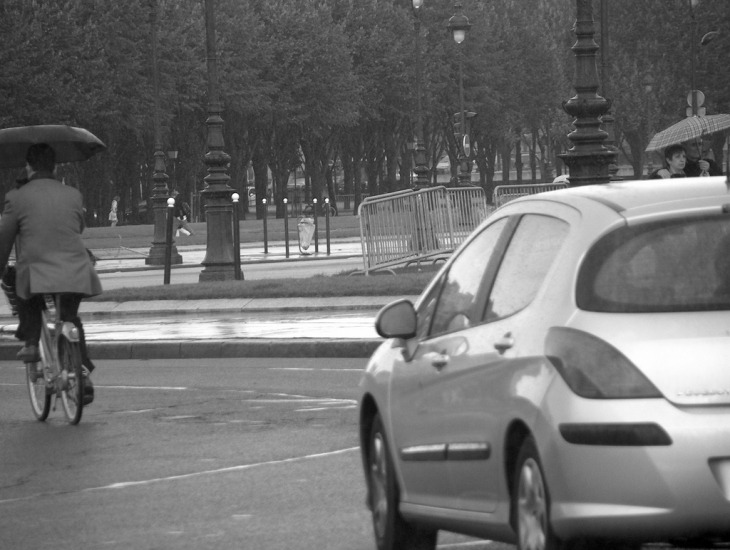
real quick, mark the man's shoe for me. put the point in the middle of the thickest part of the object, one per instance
(88, 388)
(29, 354)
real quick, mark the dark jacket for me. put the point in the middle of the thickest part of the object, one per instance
(46, 219)
(692, 168)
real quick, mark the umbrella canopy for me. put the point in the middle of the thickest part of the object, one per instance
(689, 128)
(70, 144)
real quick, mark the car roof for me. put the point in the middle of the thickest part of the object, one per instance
(623, 197)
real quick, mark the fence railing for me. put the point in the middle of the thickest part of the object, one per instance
(505, 193)
(406, 226)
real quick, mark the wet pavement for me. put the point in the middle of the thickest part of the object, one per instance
(217, 326)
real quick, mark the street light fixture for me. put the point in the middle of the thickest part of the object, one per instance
(218, 261)
(160, 191)
(693, 26)
(648, 83)
(421, 169)
(459, 25)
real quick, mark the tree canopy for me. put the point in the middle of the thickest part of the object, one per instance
(332, 83)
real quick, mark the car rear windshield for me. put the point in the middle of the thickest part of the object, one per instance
(658, 267)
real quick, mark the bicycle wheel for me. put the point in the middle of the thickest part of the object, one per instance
(40, 396)
(72, 396)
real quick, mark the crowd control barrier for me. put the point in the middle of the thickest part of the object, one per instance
(406, 226)
(505, 193)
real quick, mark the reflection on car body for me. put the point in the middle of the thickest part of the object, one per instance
(565, 376)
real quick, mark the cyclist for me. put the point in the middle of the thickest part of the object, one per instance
(44, 218)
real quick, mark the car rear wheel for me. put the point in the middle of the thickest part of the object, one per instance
(531, 502)
(392, 532)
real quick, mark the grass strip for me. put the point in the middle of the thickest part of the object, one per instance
(405, 282)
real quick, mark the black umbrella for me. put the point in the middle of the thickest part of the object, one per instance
(70, 144)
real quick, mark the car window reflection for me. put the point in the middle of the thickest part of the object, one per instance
(459, 305)
(531, 252)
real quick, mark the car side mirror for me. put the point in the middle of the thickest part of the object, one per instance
(397, 320)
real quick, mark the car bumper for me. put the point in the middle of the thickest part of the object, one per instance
(647, 492)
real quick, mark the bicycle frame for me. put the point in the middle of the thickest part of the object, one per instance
(49, 346)
(61, 374)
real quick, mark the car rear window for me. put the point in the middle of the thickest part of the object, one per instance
(659, 267)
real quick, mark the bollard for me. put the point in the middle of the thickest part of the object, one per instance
(238, 274)
(286, 227)
(316, 229)
(168, 241)
(327, 223)
(266, 234)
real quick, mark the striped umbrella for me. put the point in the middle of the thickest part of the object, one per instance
(687, 129)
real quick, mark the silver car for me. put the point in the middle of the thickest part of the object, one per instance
(565, 378)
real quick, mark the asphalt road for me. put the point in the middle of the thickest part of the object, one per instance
(219, 454)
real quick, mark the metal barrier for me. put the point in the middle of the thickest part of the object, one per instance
(406, 226)
(505, 193)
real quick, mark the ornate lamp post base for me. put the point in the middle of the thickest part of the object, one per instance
(219, 262)
(157, 252)
(588, 168)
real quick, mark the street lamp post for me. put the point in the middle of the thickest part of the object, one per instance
(693, 27)
(459, 25)
(421, 168)
(648, 87)
(160, 192)
(607, 118)
(218, 261)
(588, 159)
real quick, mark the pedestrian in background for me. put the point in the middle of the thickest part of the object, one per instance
(182, 213)
(113, 213)
(675, 159)
(699, 164)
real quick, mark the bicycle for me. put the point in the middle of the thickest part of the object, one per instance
(61, 372)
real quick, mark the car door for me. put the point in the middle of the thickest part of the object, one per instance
(490, 383)
(422, 400)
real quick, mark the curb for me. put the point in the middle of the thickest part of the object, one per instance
(218, 349)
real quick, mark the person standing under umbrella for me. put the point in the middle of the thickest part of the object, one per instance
(44, 219)
(697, 165)
(675, 160)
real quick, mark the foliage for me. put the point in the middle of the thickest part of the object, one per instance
(333, 83)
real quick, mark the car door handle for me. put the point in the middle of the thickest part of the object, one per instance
(505, 343)
(439, 361)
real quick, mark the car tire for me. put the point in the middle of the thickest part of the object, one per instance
(531, 502)
(392, 532)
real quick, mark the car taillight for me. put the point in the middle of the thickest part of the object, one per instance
(593, 368)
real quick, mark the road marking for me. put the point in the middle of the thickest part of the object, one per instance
(463, 544)
(97, 386)
(178, 388)
(137, 411)
(309, 369)
(325, 408)
(311, 400)
(229, 469)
